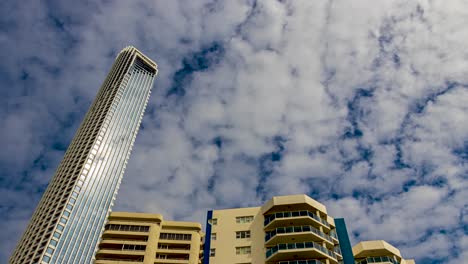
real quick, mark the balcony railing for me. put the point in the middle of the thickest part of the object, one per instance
(122, 240)
(378, 260)
(130, 228)
(300, 245)
(119, 260)
(337, 250)
(296, 229)
(271, 217)
(304, 261)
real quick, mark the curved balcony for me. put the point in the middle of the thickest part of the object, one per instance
(298, 217)
(337, 251)
(385, 259)
(304, 250)
(305, 232)
(334, 236)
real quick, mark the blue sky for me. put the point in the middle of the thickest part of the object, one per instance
(360, 105)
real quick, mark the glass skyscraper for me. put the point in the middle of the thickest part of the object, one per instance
(67, 223)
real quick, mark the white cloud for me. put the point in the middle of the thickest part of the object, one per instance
(286, 80)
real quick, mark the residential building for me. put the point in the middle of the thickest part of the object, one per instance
(70, 217)
(292, 229)
(148, 239)
(378, 251)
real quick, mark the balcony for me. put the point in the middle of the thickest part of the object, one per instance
(117, 261)
(116, 241)
(302, 261)
(172, 258)
(120, 252)
(304, 250)
(337, 251)
(171, 261)
(297, 217)
(173, 248)
(382, 260)
(334, 236)
(125, 232)
(281, 234)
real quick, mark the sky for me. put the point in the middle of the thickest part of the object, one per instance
(359, 104)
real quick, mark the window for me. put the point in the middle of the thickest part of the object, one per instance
(213, 236)
(169, 236)
(244, 219)
(161, 256)
(53, 242)
(134, 247)
(163, 246)
(212, 252)
(213, 221)
(243, 250)
(50, 250)
(131, 228)
(242, 234)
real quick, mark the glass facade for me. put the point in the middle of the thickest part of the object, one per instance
(100, 152)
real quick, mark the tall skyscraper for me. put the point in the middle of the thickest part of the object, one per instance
(293, 229)
(67, 223)
(148, 239)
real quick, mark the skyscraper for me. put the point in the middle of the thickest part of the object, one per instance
(67, 223)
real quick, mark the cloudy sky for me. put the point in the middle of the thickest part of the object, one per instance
(361, 104)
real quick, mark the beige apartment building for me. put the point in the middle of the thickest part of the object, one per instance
(148, 239)
(378, 251)
(292, 229)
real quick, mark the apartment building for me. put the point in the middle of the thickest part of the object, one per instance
(148, 239)
(292, 229)
(378, 251)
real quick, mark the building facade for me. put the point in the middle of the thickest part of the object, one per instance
(70, 217)
(148, 239)
(378, 251)
(292, 229)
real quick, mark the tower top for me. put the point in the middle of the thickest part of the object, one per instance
(132, 49)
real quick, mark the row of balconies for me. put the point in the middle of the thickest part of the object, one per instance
(301, 250)
(123, 256)
(275, 219)
(305, 231)
(300, 237)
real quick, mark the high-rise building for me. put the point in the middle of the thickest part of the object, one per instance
(70, 217)
(292, 229)
(378, 251)
(148, 239)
